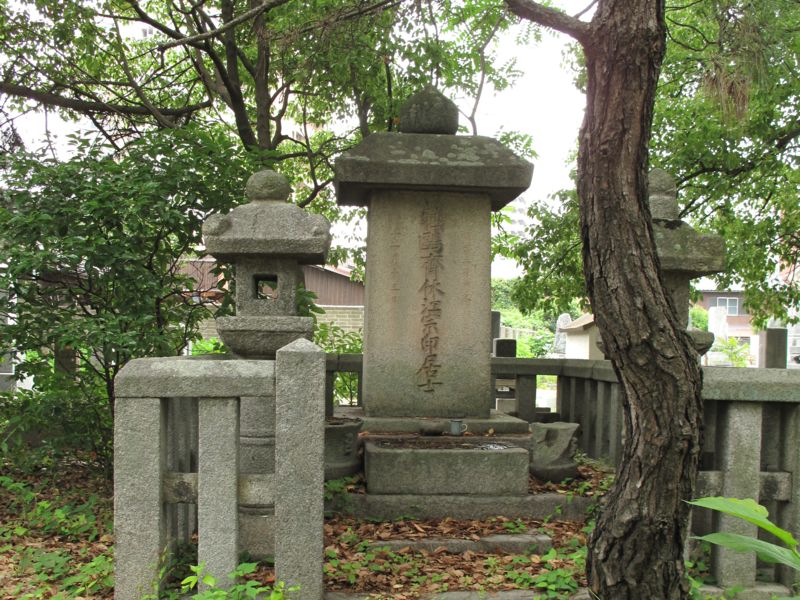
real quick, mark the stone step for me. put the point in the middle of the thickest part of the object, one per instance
(395, 506)
(503, 543)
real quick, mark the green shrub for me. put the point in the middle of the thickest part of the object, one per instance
(738, 355)
(240, 590)
(332, 338)
(698, 317)
(209, 346)
(63, 413)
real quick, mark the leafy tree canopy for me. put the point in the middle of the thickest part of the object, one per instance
(297, 81)
(93, 253)
(286, 76)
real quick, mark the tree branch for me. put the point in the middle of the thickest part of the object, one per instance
(157, 114)
(52, 99)
(781, 141)
(246, 16)
(550, 17)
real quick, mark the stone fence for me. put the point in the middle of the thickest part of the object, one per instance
(751, 441)
(515, 333)
(165, 462)
(751, 447)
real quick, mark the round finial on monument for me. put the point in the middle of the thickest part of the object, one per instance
(266, 186)
(429, 111)
(663, 196)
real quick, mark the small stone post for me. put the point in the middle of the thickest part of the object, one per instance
(139, 508)
(299, 451)
(773, 348)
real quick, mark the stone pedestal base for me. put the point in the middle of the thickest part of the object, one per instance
(261, 337)
(498, 422)
(454, 466)
(341, 447)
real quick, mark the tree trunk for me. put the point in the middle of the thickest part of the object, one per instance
(636, 550)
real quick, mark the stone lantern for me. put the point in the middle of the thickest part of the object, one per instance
(683, 252)
(266, 241)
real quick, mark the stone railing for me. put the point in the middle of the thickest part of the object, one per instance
(751, 444)
(341, 363)
(156, 478)
(751, 441)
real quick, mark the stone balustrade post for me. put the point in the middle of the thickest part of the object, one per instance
(299, 467)
(217, 487)
(739, 428)
(139, 508)
(773, 348)
(525, 389)
(615, 424)
(789, 513)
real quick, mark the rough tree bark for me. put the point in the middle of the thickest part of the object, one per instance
(636, 551)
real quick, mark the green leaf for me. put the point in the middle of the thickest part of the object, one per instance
(767, 552)
(748, 510)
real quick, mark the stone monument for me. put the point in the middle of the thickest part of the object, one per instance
(258, 419)
(560, 338)
(266, 240)
(427, 316)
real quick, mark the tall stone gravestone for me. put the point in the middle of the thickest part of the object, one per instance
(427, 316)
(560, 338)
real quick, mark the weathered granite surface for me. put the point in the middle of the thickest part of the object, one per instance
(300, 465)
(662, 192)
(479, 468)
(683, 249)
(474, 164)
(427, 305)
(268, 225)
(139, 510)
(209, 376)
(218, 487)
(553, 447)
(428, 111)
(757, 385)
(260, 337)
(521, 543)
(395, 506)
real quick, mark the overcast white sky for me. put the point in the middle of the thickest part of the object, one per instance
(544, 103)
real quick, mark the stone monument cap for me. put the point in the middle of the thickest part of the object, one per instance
(426, 156)
(268, 226)
(432, 162)
(663, 196)
(681, 249)
(267, 185)
(429, 111)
